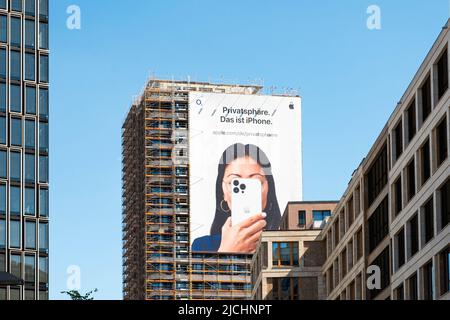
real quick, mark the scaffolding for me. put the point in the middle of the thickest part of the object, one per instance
(157, 262)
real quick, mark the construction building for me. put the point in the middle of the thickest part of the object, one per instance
(157, 260)
(395, 212)
(288, 263)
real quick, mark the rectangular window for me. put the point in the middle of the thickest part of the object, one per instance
(43, 237)
(2, 199)
(2, 234)
(359, 244)
(30, 34)
(30, 235)
(43, 36)
(30, 7)
(3, 63)
(16, 32)
(320, 215)
(30, 202)
(350, 212)
(425, 167)
(426, 99)
(30, 168)
(43, 9)
(411, 116)
(412, 284)
(414, 235)
(398, 140)
(285, 254)
(3, 29)
(44, 204)
(444, 268)
(3, 138)
(2, 92)
(2, 263)
(43, 270)
(14, 234)
(427, 274)
(428, 212)
(16, 5)
(441, 142)
(442, 71)
(400, 237)
(43, 67)
(15, 205)
(43, 169)
(411, 179)
(16, 69)
(378, 225)
(43, 103)
(30, 95)
(30, 134)
(43, 137)
(398, 205)
(3, 4)
(16, 265)
(377, 177)
(383, 262)
(302, 219)
(444, 193)
(30, 67)
(3, 164)
(15, 104)
(399, 293)
(343, 263)
(16, 132)
(15, 166)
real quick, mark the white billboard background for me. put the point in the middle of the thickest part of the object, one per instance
(278, 134)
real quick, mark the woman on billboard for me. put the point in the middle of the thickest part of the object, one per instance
(249, 163)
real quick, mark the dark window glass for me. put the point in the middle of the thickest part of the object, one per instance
(398, 140)
(426, 162)
(3, 63)
(429, 220)
(30, 168)
(414, 235)
(43, 67)
(43, 169)
(444, 268)
(2, 130)
(3, 4)
(16, 132)
(30, 7)
(44, 204)
(43, 270)
(30, 235)
(321, 215)
(16, 69)
(43, 35)
(30, 202)
(43, 8)
(16, 31)
(43, 103)
(285, 254)
(2, 263)
(378, 175)
(413, 294)
(15, 234)
(30, 34)
(43, 136)
(411, 114)
(30, 100)
(43, 237)
(401, 254)
(378, 225)
(16, 98)
(3, 29)
(426, 99)
(411, 174)
(302, 219)
(30, 134)
(398, 196)
(16, 5)
(399, 293)
(15, 166)
(442, 69)
(428, 281)
(30, 67)
(15, 205)
(3, 164)
(445, 204)
(383, 262)
(2, 199)
(2, 94)
(2, 234)
(441, 142)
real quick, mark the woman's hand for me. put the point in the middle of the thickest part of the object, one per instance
(243, 237)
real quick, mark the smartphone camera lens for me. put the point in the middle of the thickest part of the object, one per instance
(236, 183)
(243, 187)
(236, 190)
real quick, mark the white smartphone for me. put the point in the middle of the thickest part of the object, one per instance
(245, 200)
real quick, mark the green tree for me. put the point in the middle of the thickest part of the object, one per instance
(77, 296)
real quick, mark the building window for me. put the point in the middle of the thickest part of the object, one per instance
(427, 275)
(302, 219)
(16, 265)
(378, 175)
(43, 103)
(44, 209)
(30, 34)
(14, 234)
(2, 263)
(343, 263)
(30, 275)
(425, 167)
(426, 99)
(16, 32)
(398, 205)
(285, 254)
(3, 63)
(428, 212)
(43, 169)
(15, 166)
(399, 293)
(3, 4)
(321, 215)
(382, 261)
(2, 234)
(3, 138)
(412, 284)
(3, 164)
(444, 268)
(378, 225)
(43, 137)
(30, 235)
(411, 118)
(43, 9)
(441, 142)
(43, 237)
(444, 193)
(284, 288)
(413, 235)
(16, 5)
(30, 7)
(400, 237)
(43, 36)
(16, 69)
(2, 91)
(30, 95)
(30, 134)
(350, 212)
(43, 270)
(43, 67)
(336, 231)
(398, 140)
(15, 205)
(359, 244)
(30, 67)
(2, 199)
(30, 201)
(411, 179)
(3, 29)
(442, 71)
(15, 98)
(16, 132)
(30, 168)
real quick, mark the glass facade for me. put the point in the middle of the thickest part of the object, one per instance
(24, 146)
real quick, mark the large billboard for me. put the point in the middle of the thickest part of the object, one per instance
(245, 155)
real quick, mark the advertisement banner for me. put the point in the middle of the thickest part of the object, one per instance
(245, 155)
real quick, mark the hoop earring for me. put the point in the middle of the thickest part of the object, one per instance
(221, 207)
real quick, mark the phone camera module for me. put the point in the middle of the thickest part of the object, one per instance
(236, 190)
(236, 183)
(243, 187)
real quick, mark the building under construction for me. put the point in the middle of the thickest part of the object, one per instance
(157, 261)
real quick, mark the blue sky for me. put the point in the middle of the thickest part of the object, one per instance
(350, 79)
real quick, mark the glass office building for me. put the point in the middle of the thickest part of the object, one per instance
(24, 147)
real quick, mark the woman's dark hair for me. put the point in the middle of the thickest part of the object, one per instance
(272, 209)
